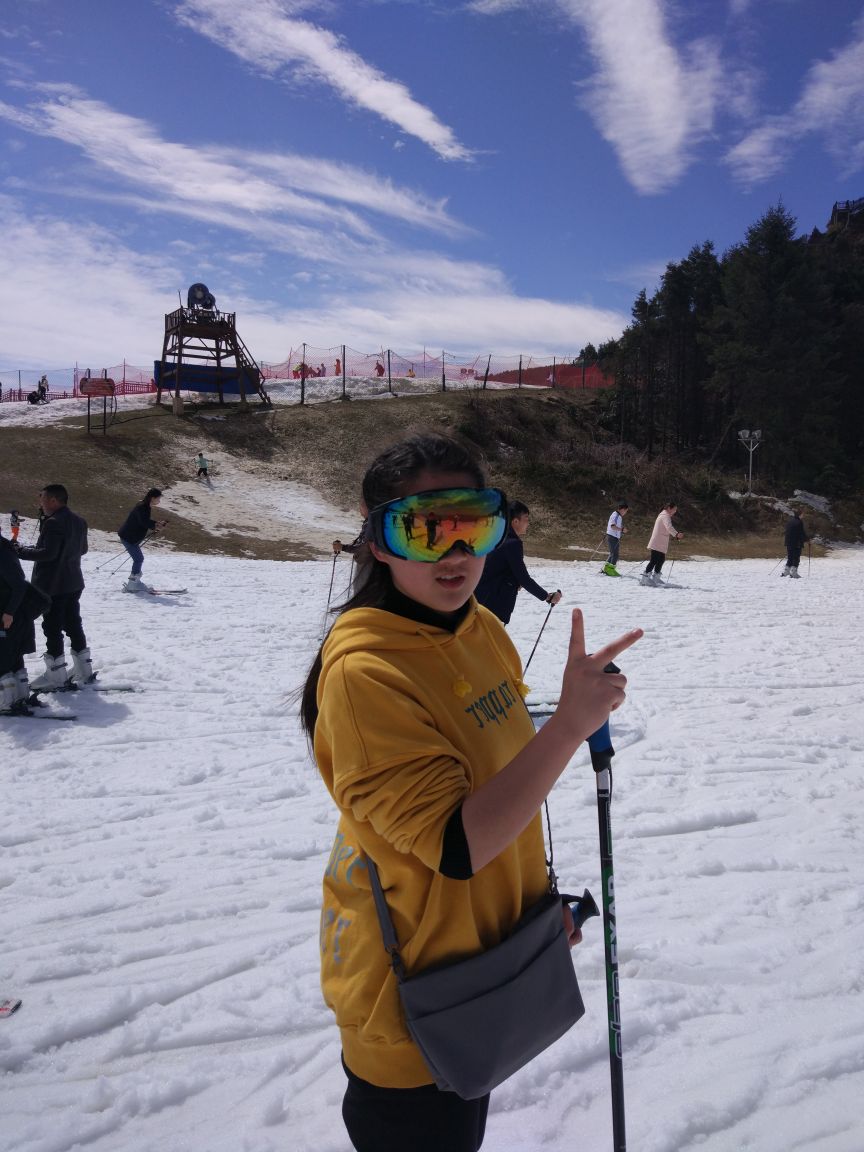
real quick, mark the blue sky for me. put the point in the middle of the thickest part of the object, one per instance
(490, 176)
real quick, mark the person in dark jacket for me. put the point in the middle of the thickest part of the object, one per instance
(20, 605)
(505, 572)
(57, 572)
(794, 538)
(135, 527)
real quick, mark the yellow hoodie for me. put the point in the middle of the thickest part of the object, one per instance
(412, 719)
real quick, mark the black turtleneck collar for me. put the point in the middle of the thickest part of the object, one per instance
(401, 605)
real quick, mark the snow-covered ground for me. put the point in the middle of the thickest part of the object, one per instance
(162, 858)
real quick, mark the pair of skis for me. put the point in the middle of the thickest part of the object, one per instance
(32, 710)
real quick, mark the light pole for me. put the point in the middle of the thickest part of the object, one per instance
(751, 441)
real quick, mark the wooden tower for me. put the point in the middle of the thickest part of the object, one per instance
(203, 352)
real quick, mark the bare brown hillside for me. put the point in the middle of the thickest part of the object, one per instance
(547, 449)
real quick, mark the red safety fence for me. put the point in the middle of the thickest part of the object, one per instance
(421, 371)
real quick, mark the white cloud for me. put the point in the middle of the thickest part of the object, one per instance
(211, 178)
(831, 107)
(79, 292)
(72, 291)
(268, 34)
(652, 101)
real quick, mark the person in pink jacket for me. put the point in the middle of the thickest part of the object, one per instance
(664, 531)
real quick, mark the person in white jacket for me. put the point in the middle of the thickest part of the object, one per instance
(664, 531)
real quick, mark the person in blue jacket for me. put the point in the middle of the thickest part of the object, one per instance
(134, 528)
(505, 572)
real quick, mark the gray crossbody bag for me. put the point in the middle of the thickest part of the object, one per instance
(479, 1020)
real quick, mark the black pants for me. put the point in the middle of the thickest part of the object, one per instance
(64, 615)
(14, 642)
(411, 1119)
(656, 562)
(793, 556)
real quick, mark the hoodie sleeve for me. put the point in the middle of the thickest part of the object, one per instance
(391, 768)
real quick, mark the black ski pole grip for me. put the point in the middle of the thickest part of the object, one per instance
(583, 909)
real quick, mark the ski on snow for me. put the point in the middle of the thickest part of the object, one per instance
(31, 714)
(71, 686)
(7, 1007)
(159, 591)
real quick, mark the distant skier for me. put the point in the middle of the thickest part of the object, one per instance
(203, 466)
(614, 530)
(14, 525)
(379, 368)
(795, 537)
(664, 531)
(133, 531)
(505, 573)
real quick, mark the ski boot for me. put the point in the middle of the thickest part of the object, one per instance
(53, 677)
(82, 667)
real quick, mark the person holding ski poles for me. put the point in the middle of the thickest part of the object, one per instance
(664, 531)
(614, 531)
(203, 466)
(795, 537)
(443, 801)
(505, 572)
(132, 533)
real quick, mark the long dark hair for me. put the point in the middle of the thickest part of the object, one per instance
(385, 479)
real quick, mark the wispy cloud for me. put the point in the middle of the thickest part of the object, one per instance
(831, 106)
(207, 179)
(269, 35)
(104, 301)
(652, 100)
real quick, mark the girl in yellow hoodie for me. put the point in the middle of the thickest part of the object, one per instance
(414, 706)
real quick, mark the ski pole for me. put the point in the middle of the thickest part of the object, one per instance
(330, 589)
(600, 745)
(110, 559)
(537, 641)
(808, 557)
(599, 548)
(777, 565)
(350, 577)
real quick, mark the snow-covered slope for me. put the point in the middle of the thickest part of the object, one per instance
(162, 857)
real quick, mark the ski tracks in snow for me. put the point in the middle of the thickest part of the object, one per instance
(162, 863)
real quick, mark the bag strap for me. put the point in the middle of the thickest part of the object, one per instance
(391, 941)
(385, 920)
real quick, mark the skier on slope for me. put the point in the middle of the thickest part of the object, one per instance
(133, 531)
(505, 573)
(664, 531)
(795, 538)
(202, 465)
(614, 530)
(57, 572)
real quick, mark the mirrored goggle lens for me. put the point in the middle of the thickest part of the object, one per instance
(427, 525)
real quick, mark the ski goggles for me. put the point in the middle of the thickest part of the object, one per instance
(426, 525)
